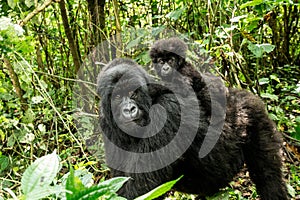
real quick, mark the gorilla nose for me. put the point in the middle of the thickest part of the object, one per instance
(130, 111)
(166, 69)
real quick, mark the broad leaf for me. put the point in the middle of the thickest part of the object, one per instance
(251, 3)
(106, 189)
(269, 96)
(115, 183)
(259, 49)
(73, 184)
(40, 174)
(174, 15)
(160, 190)
(263, 81)
(4, 162)
(12, 3)
(44, 192)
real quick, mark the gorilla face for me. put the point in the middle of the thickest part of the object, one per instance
(128, 106)
(168, 56)
(124, 94)
(165, 66)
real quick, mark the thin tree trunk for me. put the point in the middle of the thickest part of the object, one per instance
(97, 13)
(72, 45)
(118, 39)
(16, 83)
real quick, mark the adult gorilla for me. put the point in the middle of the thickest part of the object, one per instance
(154, 136)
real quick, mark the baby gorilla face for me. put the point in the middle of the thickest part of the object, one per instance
(165, 67)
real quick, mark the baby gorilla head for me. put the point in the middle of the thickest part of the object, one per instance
(168, 56)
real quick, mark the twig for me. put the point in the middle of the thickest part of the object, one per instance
(291, 138)
(36, 11)
(67, 79)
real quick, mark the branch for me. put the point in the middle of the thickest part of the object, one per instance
(36, 11)
(16, 83)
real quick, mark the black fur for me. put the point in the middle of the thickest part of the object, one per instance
(207, 87)
(248, 136)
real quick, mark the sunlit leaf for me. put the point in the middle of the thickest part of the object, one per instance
(12, 3)
(44, 191)
(275, 78)
(251, 3)
(160, 190)
(41, 173)
(105, 189)
(238, 18)
(291, 190)
(29, 3)
(259, 49)
(174, 15)
(263, 81)
(269, 96)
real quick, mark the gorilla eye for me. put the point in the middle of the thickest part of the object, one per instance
(172, 60)
(132, 95)
(160, 60)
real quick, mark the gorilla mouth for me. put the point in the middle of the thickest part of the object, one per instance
(136, 119)
(165, 74)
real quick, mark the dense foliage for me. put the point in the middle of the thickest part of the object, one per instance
(52, 51)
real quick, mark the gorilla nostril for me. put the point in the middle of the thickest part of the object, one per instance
(126, 110)
(130, 111)
(134, 111)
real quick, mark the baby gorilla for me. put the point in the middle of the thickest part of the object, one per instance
(168, 57)
(169, 61)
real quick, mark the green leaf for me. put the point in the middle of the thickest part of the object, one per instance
(133, 43)
(29, 3)
(40, 174)
(12, 3)
(115, 183)
(174, 15)
(37, 99)
(92, 193)
(269, 96)
(291, 190)
(296, 134)
(29, 117)
(275, 78)
(160, 190)
(259, 49)
(157, 30)
(43, 192)
(267, 47)
(263, 81)
(4, 162)
(73, 184)
(107, 188)
(273, 117)
(251, 3)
